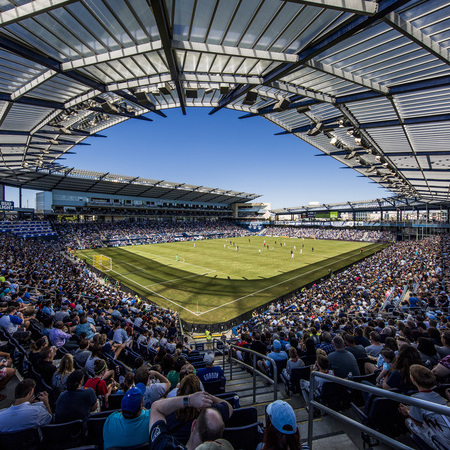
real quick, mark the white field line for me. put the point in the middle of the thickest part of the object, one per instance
(270, 287)
(153, 292)
(171, 259)
(181, 278)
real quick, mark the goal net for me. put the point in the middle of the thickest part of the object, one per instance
(102, 262)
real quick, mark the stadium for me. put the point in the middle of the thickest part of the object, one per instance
(137, 312)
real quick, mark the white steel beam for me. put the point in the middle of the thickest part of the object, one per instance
(113, 55)
(413, 33)
(33, 84)
(293, 89)
(347, 76)
(31, 9)
(234, 51)
(367, 8)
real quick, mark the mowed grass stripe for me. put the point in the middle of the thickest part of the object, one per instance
(253, 279)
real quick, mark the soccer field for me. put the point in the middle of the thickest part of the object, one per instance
(211, 281)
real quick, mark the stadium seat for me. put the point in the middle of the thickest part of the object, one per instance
(292, 386)
(244, 437)
(214, 387)
(114, 402)
(242, 417)
(335, 396)
(95, 431)
(308, 360)
(63, 436)
(382, 415)
(101, 414)
(21, 440)
(280, 366)
(230, 397)
(136, 447)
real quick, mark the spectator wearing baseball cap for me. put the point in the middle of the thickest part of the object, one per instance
(211, 373)
(276, 355)
(130, 427)
(281, 428)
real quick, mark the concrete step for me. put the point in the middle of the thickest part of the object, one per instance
(333, 441)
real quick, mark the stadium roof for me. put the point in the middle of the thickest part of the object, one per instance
(379, 204)
(366, 82)
(112, 184)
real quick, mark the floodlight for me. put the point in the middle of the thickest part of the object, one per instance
(315, 130)
(303, 109)
(191, 93)
(351, 155)
(250, 98)
(109, 107)
(144, 99)
(333, 140)
(166, 89)
(282, 104)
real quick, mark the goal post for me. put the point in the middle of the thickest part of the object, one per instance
(102, 262)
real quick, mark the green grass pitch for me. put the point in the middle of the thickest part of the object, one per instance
(213, 282)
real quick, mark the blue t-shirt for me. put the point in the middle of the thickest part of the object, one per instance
(120, 336)
(121, 432)
(208, 375)
(85, 328)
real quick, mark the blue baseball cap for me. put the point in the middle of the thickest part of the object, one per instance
(282, 417)
(131, 402)
(277, 344)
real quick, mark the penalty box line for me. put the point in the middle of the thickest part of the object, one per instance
(162, 282)
(145, 287)
(273, 285)
(170, 259)
(180, 278)
(153, 292)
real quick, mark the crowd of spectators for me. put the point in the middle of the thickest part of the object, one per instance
(338, 234)
(129, 232)
(386, 315)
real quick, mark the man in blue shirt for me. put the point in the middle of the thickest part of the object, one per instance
(14, 323)
(276, 355)
(130, 427)
(211, 373)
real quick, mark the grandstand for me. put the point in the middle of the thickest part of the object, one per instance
(87, 281)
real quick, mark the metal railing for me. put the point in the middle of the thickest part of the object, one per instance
(440, 409)
(253, 368)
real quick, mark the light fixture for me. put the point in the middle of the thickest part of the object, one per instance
(109, 107)
(281, 104)
(315, 130)
(166, 89)
(333, 140)
(303, 109)
(250, 98)
(351, 155)
(191, 93)
(371, 169)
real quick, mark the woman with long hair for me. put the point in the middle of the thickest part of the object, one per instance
(398, 376)
(65, 368)
(281, 430)
(428, 352)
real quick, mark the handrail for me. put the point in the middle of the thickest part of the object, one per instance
(440, 409)
(221, 350)
(254, 370)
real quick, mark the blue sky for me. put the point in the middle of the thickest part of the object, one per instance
(224, 152)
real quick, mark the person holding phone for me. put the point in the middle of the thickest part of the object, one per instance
(27, 411)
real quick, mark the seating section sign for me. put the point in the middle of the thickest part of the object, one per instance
(6, 206)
